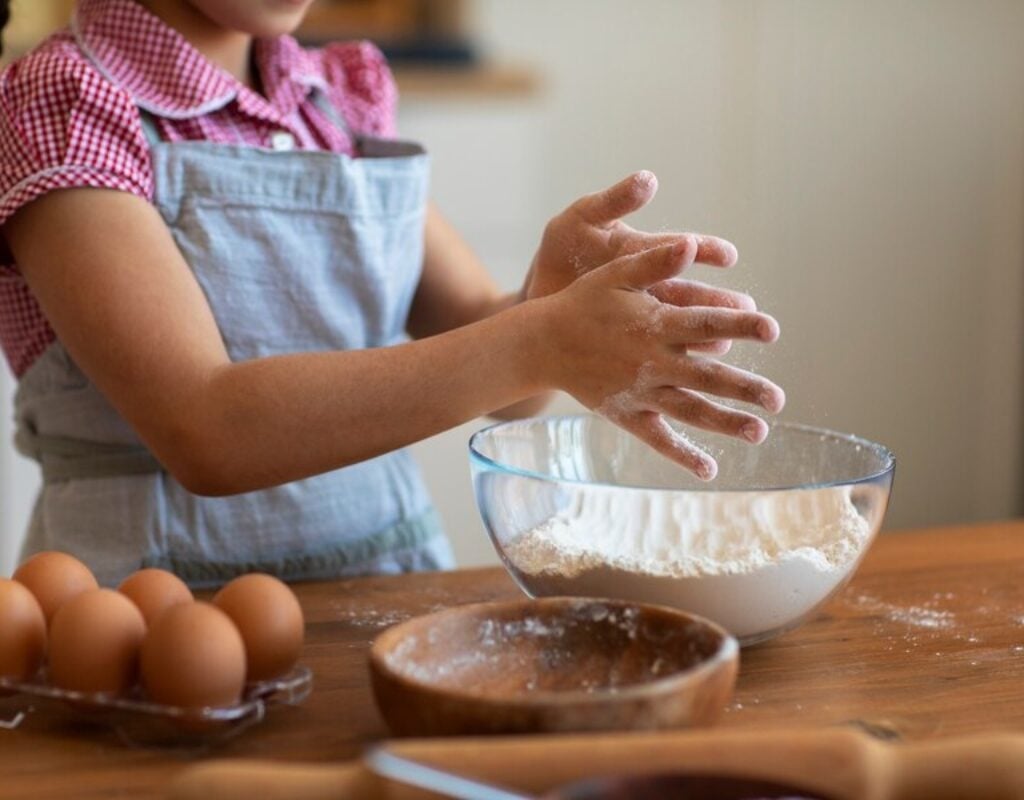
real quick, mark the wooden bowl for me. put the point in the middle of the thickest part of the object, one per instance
(552, 665)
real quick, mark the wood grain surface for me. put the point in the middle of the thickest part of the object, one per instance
(926, 642)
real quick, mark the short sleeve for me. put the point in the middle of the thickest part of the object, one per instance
(63, 126)
(362, 86)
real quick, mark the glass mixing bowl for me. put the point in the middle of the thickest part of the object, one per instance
(575, 505)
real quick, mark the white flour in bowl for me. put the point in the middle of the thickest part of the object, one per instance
(755, 562)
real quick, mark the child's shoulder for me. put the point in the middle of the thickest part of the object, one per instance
(65, 125)
(55, 77)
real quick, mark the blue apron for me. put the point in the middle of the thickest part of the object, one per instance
(296, 251)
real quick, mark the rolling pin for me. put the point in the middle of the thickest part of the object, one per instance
(838, 764)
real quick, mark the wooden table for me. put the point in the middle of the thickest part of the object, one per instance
(927, 641)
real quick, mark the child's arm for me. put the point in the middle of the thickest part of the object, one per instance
(456, 290)
(122, 300)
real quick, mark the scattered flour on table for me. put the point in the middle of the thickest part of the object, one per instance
(920, 616)
(362, 616)
(762, 558)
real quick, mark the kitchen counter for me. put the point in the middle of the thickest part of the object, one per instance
(927, 641)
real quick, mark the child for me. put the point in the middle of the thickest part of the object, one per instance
(215, 249)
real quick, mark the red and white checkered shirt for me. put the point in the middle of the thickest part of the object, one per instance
(69, 117)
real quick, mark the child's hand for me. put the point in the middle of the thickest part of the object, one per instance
(590, 233)
(619, 350)
(678, 292)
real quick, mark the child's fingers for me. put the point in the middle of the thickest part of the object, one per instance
(679, 292)
(711, 250)
(693, 324)
(643, 270)
(716, 252)
(716, 348)
(652, 428)
(628, 195)
(683, 293)
(712, 377)
(693, 409)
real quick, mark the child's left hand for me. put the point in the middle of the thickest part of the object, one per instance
(590, 233)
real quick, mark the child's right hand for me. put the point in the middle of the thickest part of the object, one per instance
(622, 352)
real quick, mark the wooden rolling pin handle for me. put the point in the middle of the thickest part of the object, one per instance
(989, 767)
(835, 762)
(840, 764)
(268, 780)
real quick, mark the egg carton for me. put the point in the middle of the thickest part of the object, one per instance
(139, 721)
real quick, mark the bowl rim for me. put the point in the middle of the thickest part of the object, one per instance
(884, 452)
(726, 653)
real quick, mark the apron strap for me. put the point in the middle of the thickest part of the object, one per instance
(367, 146)
(149, 127)
(63, 458)
(321, 102)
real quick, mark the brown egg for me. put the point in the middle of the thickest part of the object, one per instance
(154, 590)
(54, 578)
(192, 657)
(269, 617)
(22, 632)
(94, 642)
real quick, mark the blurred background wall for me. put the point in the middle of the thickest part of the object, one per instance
(867, 157)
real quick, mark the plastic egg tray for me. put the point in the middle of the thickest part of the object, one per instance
(141, 722)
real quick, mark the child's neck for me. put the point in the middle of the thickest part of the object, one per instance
(229, 50)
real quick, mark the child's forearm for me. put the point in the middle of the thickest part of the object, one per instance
(455, 290)
(138, 325)
(272, 420)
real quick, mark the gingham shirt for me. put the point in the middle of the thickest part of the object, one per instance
(69, 118)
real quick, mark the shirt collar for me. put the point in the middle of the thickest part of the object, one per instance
(168, 77)
(288, 72)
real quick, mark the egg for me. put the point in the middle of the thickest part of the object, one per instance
(54, 578)
(22, 632)
(192, 657)
(94, 643)
(269, 617)
(154, 590)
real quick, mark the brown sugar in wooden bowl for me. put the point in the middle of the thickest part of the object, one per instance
(552, 665)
